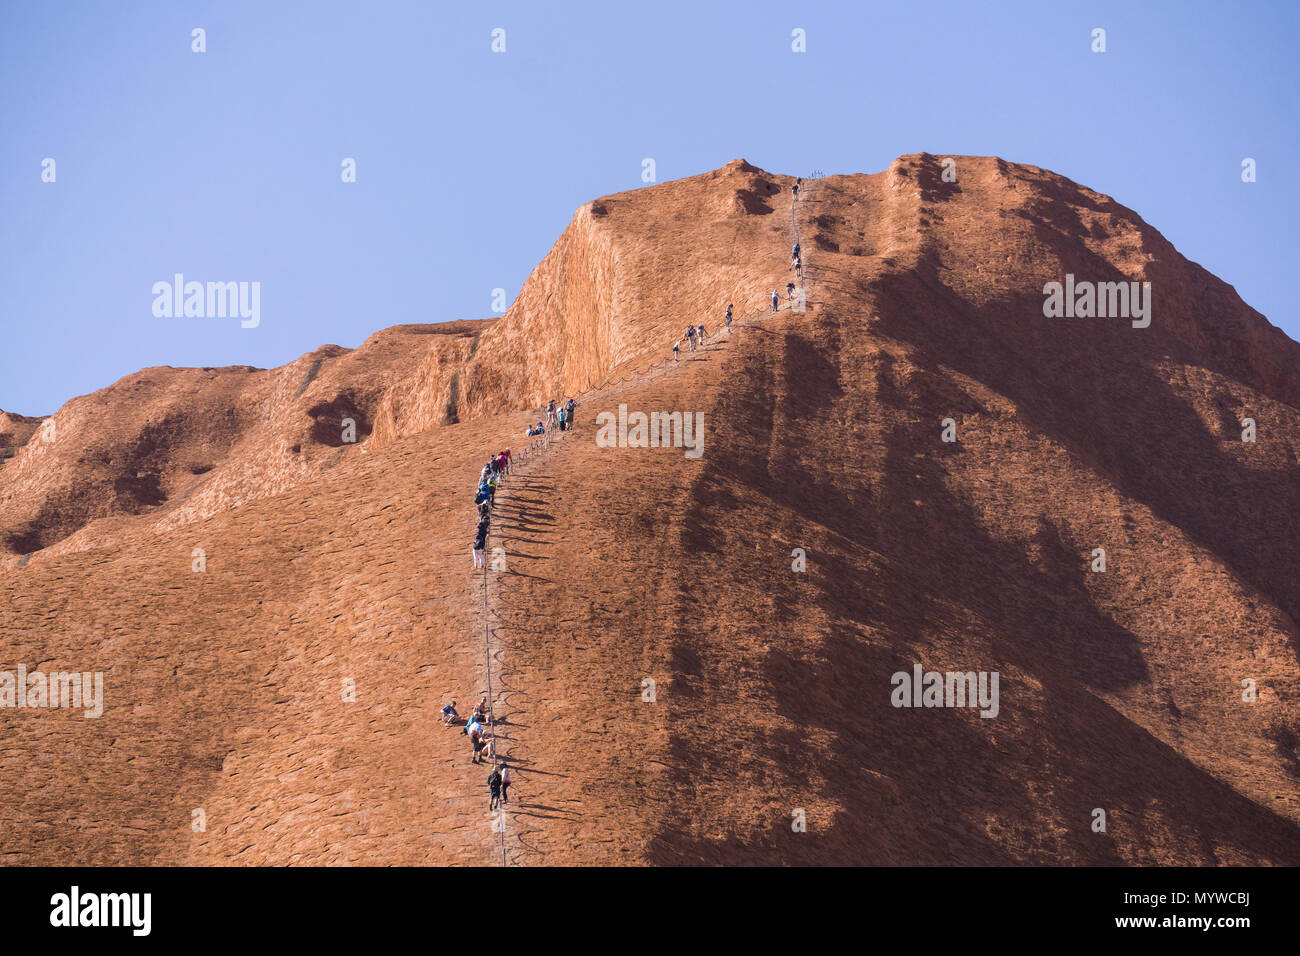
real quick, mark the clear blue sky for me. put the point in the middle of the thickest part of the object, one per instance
(226, 165)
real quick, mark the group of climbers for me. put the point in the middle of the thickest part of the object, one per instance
(560, 417)
(484, 748)
(473, 728)
(694, 334)
(563, 416)
(484, 498)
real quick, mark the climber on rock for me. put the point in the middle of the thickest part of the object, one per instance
(494, 789)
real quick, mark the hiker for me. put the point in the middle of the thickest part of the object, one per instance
(480, 544)
(728, 318)
(789, 291)
(476, 741)
(505, 784)
(494, 789)
(506, 454)
(690, 335)
(798, 264)
(562, 413)
(794, 252)
(570, 406)
(492, 490)
(472, 726)
(700, 332)
(795, 189)
(776, 301)
(449, 714)
(484, 509)
(677, 347)
(480, 709)
(483, 494)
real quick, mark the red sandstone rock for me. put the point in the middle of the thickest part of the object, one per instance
(329, 562)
